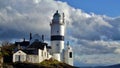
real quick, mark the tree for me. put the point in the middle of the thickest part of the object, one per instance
(7, 51)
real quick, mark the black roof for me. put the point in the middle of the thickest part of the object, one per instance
(24, 43)
(49, 47)
(31, 52)
(38, 45)
(33, 48)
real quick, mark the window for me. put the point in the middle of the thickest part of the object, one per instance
(18, 58)
(41, 53)
(45, 54)
(70, 54)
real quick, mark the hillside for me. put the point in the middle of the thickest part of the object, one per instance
(45, 64)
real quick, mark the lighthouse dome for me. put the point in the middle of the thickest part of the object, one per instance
(57, 14)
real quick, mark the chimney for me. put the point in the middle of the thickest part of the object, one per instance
(24, 39)
(30, 36)
(43, 38)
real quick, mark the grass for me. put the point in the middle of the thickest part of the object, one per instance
(51, 63)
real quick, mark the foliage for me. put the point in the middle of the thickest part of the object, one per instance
(51, 63)
(7, 48)
(0, 54)
(7, 51)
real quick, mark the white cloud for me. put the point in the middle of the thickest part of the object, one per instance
(97, 47)
(97, 60)
(20, 17)
(117, 50)
(33, 15)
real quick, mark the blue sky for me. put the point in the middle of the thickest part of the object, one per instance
(104, 7)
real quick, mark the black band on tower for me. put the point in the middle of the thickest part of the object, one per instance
(57, 37)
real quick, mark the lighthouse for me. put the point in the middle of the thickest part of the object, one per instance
(57, 35)
(37, 50)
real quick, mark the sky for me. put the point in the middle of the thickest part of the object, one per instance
(92, 27)
(104, 7)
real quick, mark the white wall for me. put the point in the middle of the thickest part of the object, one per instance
(56, 56)
(19, 56)
(57, 46)
(43, 54)
(68, 59)
(57, 29)
(32, 58)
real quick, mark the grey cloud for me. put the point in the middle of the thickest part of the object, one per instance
(85, 31)
(86, 47)
(20, 17)
(97, 60)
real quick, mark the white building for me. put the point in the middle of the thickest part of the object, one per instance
(36, 50)
(68, 55)
(19, 56)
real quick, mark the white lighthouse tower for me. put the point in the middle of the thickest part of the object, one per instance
(57, 35)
